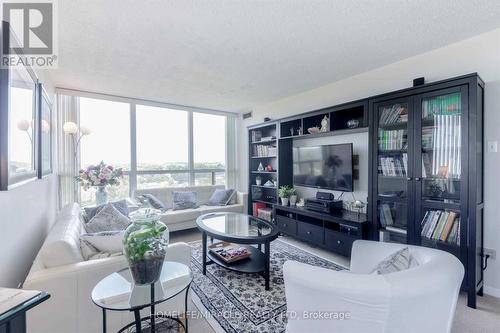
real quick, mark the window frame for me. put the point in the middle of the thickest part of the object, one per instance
(8, 181)
(133, 102)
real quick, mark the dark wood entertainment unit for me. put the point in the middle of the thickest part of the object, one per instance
(425, 171)
(333, 232)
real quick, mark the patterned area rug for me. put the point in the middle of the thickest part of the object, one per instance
(239, 302)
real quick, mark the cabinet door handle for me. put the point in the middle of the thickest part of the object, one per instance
(308, 232)
(417, 179)
(409, 179)
(285, 225)
(339, 242)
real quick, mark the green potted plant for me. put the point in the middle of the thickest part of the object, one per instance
(258, 180)
(145, 244)
(293, 196)
(284, 193)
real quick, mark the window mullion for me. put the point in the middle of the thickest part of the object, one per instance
(191, 149)
(133, 150)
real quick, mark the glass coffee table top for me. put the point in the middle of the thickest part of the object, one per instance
(235, 225)
(118, 292)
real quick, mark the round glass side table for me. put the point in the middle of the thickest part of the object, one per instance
(117, 292)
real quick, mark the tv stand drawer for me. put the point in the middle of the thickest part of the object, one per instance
(339, 242)
(286, 225)
(310, 232)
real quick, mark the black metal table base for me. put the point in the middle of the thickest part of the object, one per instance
(163, 324)
(152, 323)
(265, 273)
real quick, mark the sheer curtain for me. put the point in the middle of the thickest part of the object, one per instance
(67, 159)
(232, 141)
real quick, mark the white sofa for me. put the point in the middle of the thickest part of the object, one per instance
(186, 218)
(420, 299)
(60, 269)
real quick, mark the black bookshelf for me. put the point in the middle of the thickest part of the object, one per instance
(410, 194)
(438, 185)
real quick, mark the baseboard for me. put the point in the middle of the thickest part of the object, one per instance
(495, 292)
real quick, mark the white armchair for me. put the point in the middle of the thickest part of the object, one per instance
(420, 299)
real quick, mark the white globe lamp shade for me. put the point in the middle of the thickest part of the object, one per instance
(85, 130)
(45, 126)
(23, 125)
(70, 127)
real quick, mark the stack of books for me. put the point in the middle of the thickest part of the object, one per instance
(393, 114)
(394, 166)
(442, 226)
(263, 151)
(392, 140)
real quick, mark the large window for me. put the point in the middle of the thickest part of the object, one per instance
(157, 146)
(209, 147)
(109, 122)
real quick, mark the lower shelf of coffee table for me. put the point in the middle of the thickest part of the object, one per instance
(256, 263)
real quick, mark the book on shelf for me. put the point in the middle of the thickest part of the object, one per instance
(392, 140)
(385, 215)
(441, 225)
(393, 114)
(398, 230)
(394, 166)
(256, 136)
(263, 151)
(442, 105)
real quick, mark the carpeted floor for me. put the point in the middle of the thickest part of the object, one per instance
(484, 319)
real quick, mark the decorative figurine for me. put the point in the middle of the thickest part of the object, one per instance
(291, 131)
(300, 130)
(353, 123)
(269, 168)
(325, 124)
(313, 130)
(301, 203)
(261, 167)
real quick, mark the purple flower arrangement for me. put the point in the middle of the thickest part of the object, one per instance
(99, 175)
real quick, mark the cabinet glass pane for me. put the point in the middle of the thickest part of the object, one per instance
(392, 163)
(441, 148)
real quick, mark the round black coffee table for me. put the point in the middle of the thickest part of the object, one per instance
(239, 229)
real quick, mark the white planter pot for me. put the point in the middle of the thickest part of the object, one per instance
(284, 201)
(293, 200)
(258, 182)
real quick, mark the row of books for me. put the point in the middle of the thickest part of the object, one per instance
(263, 150)
(256, 136)
(393, 166)
(393, 114)
(385, 215)
(392, 140)
(441, 225)
(442, 105)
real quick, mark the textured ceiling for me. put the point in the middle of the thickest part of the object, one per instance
(235, 54)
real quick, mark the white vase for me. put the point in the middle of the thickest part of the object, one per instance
(293, 200)
(284, 201)
(258, 182)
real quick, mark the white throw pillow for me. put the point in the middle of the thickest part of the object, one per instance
(108, 219)
(396, 262)
(105, 241)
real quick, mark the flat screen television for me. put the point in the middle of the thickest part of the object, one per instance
(324, 167)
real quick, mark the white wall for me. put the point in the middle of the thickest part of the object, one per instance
(478, 54)
(26, 214)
